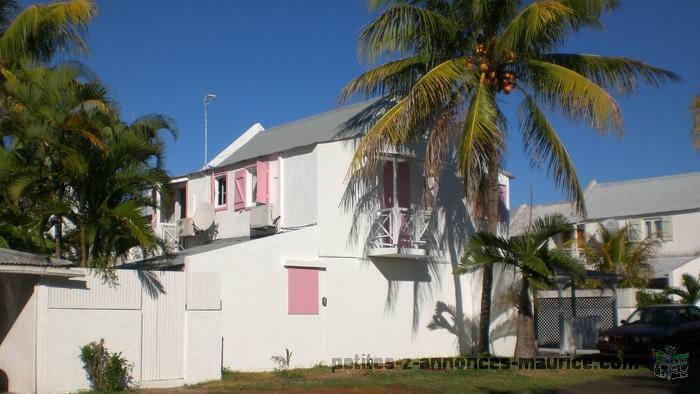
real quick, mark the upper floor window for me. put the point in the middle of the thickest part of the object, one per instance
(251, 185)
(220, 191)
(653, 228)
(660, 228)
(252, 195)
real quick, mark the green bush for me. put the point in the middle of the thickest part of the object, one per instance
(106, 371)
(648, 299)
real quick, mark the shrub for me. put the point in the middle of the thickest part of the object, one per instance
(646, 299)
(106, 371)
(282, 362)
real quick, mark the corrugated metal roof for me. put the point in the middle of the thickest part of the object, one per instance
(14, 257)
(520, 220)
(623, 199)
(664, 265)
(312, 130)
(178, 258)
(644, 196)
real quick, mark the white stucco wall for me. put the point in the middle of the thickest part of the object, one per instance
(41, 350)
(17, 331)
(686, 232)
(675, 277)
(371, 304)
(299, 188)
(377, 306)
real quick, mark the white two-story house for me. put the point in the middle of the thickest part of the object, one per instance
(665, 208)
(327, 268)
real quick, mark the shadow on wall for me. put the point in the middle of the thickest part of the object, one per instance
(448, 232)
(4, 382)
(15, 290)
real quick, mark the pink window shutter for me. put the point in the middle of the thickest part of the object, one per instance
(403, 184)
(302, 291)
(388, 184)
(239, 189)
(262, 170)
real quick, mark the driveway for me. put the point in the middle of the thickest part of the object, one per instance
(640, 384)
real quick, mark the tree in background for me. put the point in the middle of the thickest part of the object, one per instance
(534, 261)
(73, 169)
(47, 118)
(443, 68)
(616, 251)
(689, 292)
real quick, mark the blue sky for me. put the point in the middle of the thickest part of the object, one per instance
(277, 61)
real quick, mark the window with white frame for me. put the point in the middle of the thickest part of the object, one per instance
(252, 186)
(653, 228)
(220, 190)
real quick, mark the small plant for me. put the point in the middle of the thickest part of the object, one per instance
(282, 362)
(106, 371)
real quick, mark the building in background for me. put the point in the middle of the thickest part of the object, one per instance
(665, 208)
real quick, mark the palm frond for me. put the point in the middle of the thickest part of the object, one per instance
(410, 116)
(481, 138)
(405, 28)
(589, 12)
(40, 31)
(395, 77)
(544, 146)
(578, 97)
(539, 26)
(622, 74)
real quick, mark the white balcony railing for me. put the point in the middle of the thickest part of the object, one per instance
(399, 232)
(168, 233)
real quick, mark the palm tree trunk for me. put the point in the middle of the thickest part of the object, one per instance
(59, 236)
(525, 343)
(487, 272)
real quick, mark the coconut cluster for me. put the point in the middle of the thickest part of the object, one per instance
(497, 76)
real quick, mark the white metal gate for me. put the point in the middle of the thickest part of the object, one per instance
(162, 330)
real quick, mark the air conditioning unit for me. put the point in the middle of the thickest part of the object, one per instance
(185, 227)
(261, 217)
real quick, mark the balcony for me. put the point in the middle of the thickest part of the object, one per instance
(399, 233)
(168, 233)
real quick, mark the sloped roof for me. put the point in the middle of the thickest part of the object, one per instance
(621, 199)
(644, 196)
(662, 266)
(178, 258)
(312, 130)
(14, 257)
(520, 220)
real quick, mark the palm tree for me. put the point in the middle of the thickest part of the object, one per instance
(73, 166)
(695, 108)
(615, 251)
(40, 31)
(442, 68)
(531, 257)
(47, 119)
(689, 292)
(119, 183)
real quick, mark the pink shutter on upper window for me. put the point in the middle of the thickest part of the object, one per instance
(262, 171)
(302, 289)
(403, 182)
(239, 189)
(388, 184)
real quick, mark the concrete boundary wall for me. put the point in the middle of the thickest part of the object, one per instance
(145, 316)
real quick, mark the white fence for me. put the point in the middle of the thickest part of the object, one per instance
(168, 324)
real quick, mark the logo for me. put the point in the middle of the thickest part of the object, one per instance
(669, 365)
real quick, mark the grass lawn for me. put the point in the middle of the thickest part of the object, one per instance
(398, 380)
